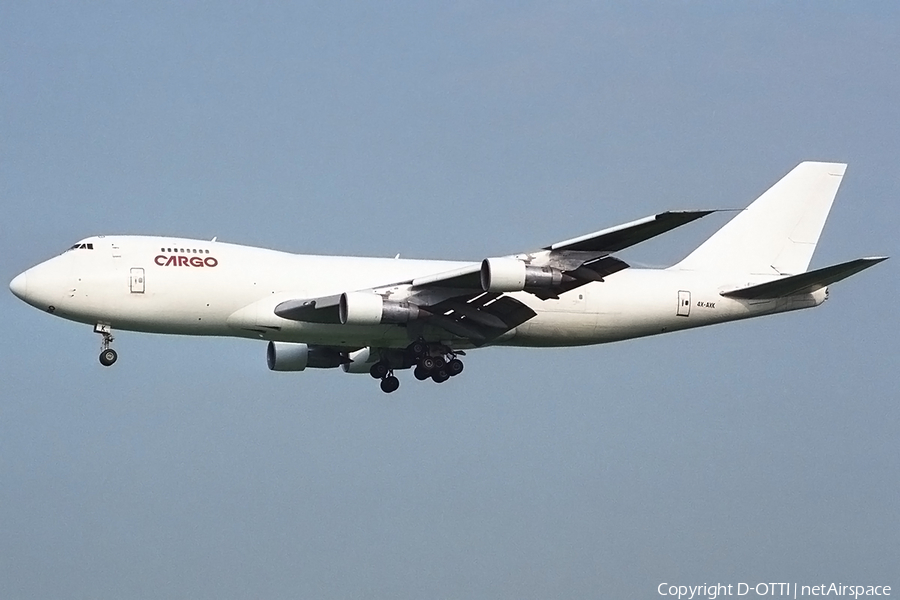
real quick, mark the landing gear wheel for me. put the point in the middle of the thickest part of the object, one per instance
(418, 348)
(108, 357)
(454, 367)
(440, 375)
(390, 384)
(421, 374)
(379, 371)
(427, 363)
(439, 362)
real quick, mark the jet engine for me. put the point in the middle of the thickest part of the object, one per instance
(512, 275)
(285, 356)
(364, 308)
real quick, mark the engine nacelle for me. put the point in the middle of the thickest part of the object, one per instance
(364, 308)
(285, 356)
(502, 275)
(512, 275)
(360, 361)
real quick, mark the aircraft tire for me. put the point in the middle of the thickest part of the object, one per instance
(390, 384)
(108, 357)
(427, 363)
(378, 371)
(421, 373)
(440, 375)
(454, 367)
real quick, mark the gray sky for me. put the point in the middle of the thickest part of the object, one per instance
(757, 451)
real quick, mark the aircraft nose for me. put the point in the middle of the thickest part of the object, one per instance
(19, 285)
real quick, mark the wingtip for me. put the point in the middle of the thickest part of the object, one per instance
(700, 212)
(833, 167)
(687, 215)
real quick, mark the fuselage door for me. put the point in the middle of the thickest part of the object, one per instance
(684, 304)
(136, 282)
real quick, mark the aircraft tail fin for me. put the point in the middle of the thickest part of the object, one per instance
(804, 283)
(778, 232)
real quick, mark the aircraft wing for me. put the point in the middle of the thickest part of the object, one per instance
(584, 257)
(477, 316)
(463, 278)
(577, 261)
(620, 237)
(468, 302)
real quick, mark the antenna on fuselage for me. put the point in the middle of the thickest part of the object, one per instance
(214, 238)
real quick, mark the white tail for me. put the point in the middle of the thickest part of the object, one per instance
(777, 234)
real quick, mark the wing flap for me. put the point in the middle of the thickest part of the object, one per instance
(804, 283)
(481, 317)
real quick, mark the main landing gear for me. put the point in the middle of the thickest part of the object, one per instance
(437, 368)
(389, 382)
(107, 355)
(431, 361)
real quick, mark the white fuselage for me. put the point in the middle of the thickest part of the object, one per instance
(192, 287)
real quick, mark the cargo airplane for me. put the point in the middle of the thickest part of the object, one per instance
(381, 315)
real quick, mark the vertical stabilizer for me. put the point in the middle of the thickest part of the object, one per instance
(777, 234)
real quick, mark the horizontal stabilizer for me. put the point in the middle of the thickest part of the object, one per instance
(805, 283)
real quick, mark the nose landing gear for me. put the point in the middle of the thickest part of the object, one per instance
(107, 355)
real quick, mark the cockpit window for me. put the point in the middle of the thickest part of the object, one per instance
(82, 247)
